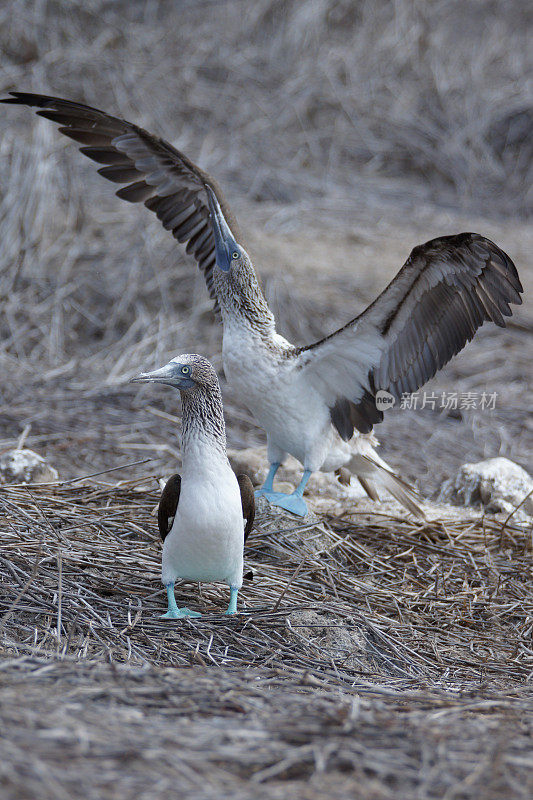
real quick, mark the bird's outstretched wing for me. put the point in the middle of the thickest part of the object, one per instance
(445, 291)
(154, 172)
(247, 501)
(168, 505)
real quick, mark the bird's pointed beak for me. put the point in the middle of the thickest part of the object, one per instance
(225, 243)
(166, 374)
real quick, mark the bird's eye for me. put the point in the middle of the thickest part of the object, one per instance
(235, 255)
(185, 370)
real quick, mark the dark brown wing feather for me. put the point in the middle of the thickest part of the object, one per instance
(155, 173)
(445, 291)
(168, 505)
(248, 502)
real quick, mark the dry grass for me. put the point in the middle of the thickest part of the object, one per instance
(262, 734)
(451, 600)
(294, 98)
(270, 734)
(372, 658)
(335, 117)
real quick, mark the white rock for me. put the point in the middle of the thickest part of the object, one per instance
(498, 484)
(25, 466)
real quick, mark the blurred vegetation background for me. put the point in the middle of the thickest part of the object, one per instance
(343, 133)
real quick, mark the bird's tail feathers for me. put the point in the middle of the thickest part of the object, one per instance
(371, 471)
(401, 491)
(369, 488)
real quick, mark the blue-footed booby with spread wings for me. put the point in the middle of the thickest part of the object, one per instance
(200, 514)
(315, 402)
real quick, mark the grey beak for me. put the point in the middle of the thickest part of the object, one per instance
(225, 243)
(166, 374)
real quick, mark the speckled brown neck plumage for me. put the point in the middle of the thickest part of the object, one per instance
(239, 295)
(203, 416)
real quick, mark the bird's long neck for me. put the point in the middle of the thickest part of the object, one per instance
(203, 433)
(241, 300)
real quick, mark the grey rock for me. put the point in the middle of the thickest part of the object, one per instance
(25, 466)
(497, 484)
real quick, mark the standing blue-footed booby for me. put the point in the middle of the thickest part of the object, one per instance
(200, 514)
(315, 402)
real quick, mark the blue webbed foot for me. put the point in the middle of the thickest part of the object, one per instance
(173, 612)
(267, 486)
(290, 502)
(232, 608)
(180, 613)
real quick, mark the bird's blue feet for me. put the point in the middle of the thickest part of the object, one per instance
(180, 613)
(173, 611)
(290, 502)
(232, 608)
(267, 486)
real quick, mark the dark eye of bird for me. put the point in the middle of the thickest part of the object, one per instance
(235, 255)
(185, 370)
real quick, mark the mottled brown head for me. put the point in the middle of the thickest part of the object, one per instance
(201, 401)
(185, 372)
